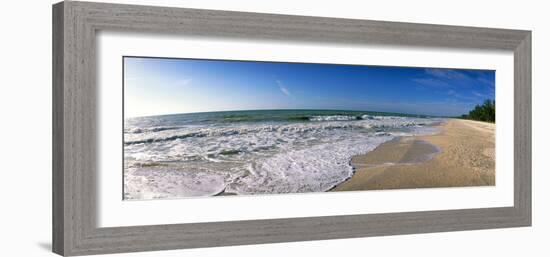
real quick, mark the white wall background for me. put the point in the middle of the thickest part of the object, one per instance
(25, 148)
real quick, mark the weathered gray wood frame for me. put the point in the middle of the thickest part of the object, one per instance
(74, 126)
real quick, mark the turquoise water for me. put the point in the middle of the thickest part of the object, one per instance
(214, 118)
(253, 152)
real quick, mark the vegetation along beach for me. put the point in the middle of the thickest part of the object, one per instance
(217, 128)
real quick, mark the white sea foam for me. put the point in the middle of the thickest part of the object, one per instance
(332, 118)
(254, 158)
(315, 169)
(157, 183)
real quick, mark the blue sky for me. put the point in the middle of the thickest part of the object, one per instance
(154, 86)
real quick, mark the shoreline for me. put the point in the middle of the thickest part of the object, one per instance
(461, 154)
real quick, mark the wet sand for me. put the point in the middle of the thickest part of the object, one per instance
(461, 154)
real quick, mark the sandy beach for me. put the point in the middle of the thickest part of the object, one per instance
(461, 154)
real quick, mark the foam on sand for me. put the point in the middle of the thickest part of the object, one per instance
(181, 160)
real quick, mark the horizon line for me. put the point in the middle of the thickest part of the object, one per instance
(300, 109)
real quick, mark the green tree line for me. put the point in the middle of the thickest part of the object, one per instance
(484, 112)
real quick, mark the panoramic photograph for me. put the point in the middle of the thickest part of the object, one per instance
(203, 128)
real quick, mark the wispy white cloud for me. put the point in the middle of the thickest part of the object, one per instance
(483, 95)
(453, 93)
(455, 83)
(446, 73)
(431, 82)
(183, 82)
(283, 89)
(486, 81)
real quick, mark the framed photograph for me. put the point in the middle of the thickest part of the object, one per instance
(183, 128)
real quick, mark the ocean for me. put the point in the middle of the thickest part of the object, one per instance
(253, 152)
